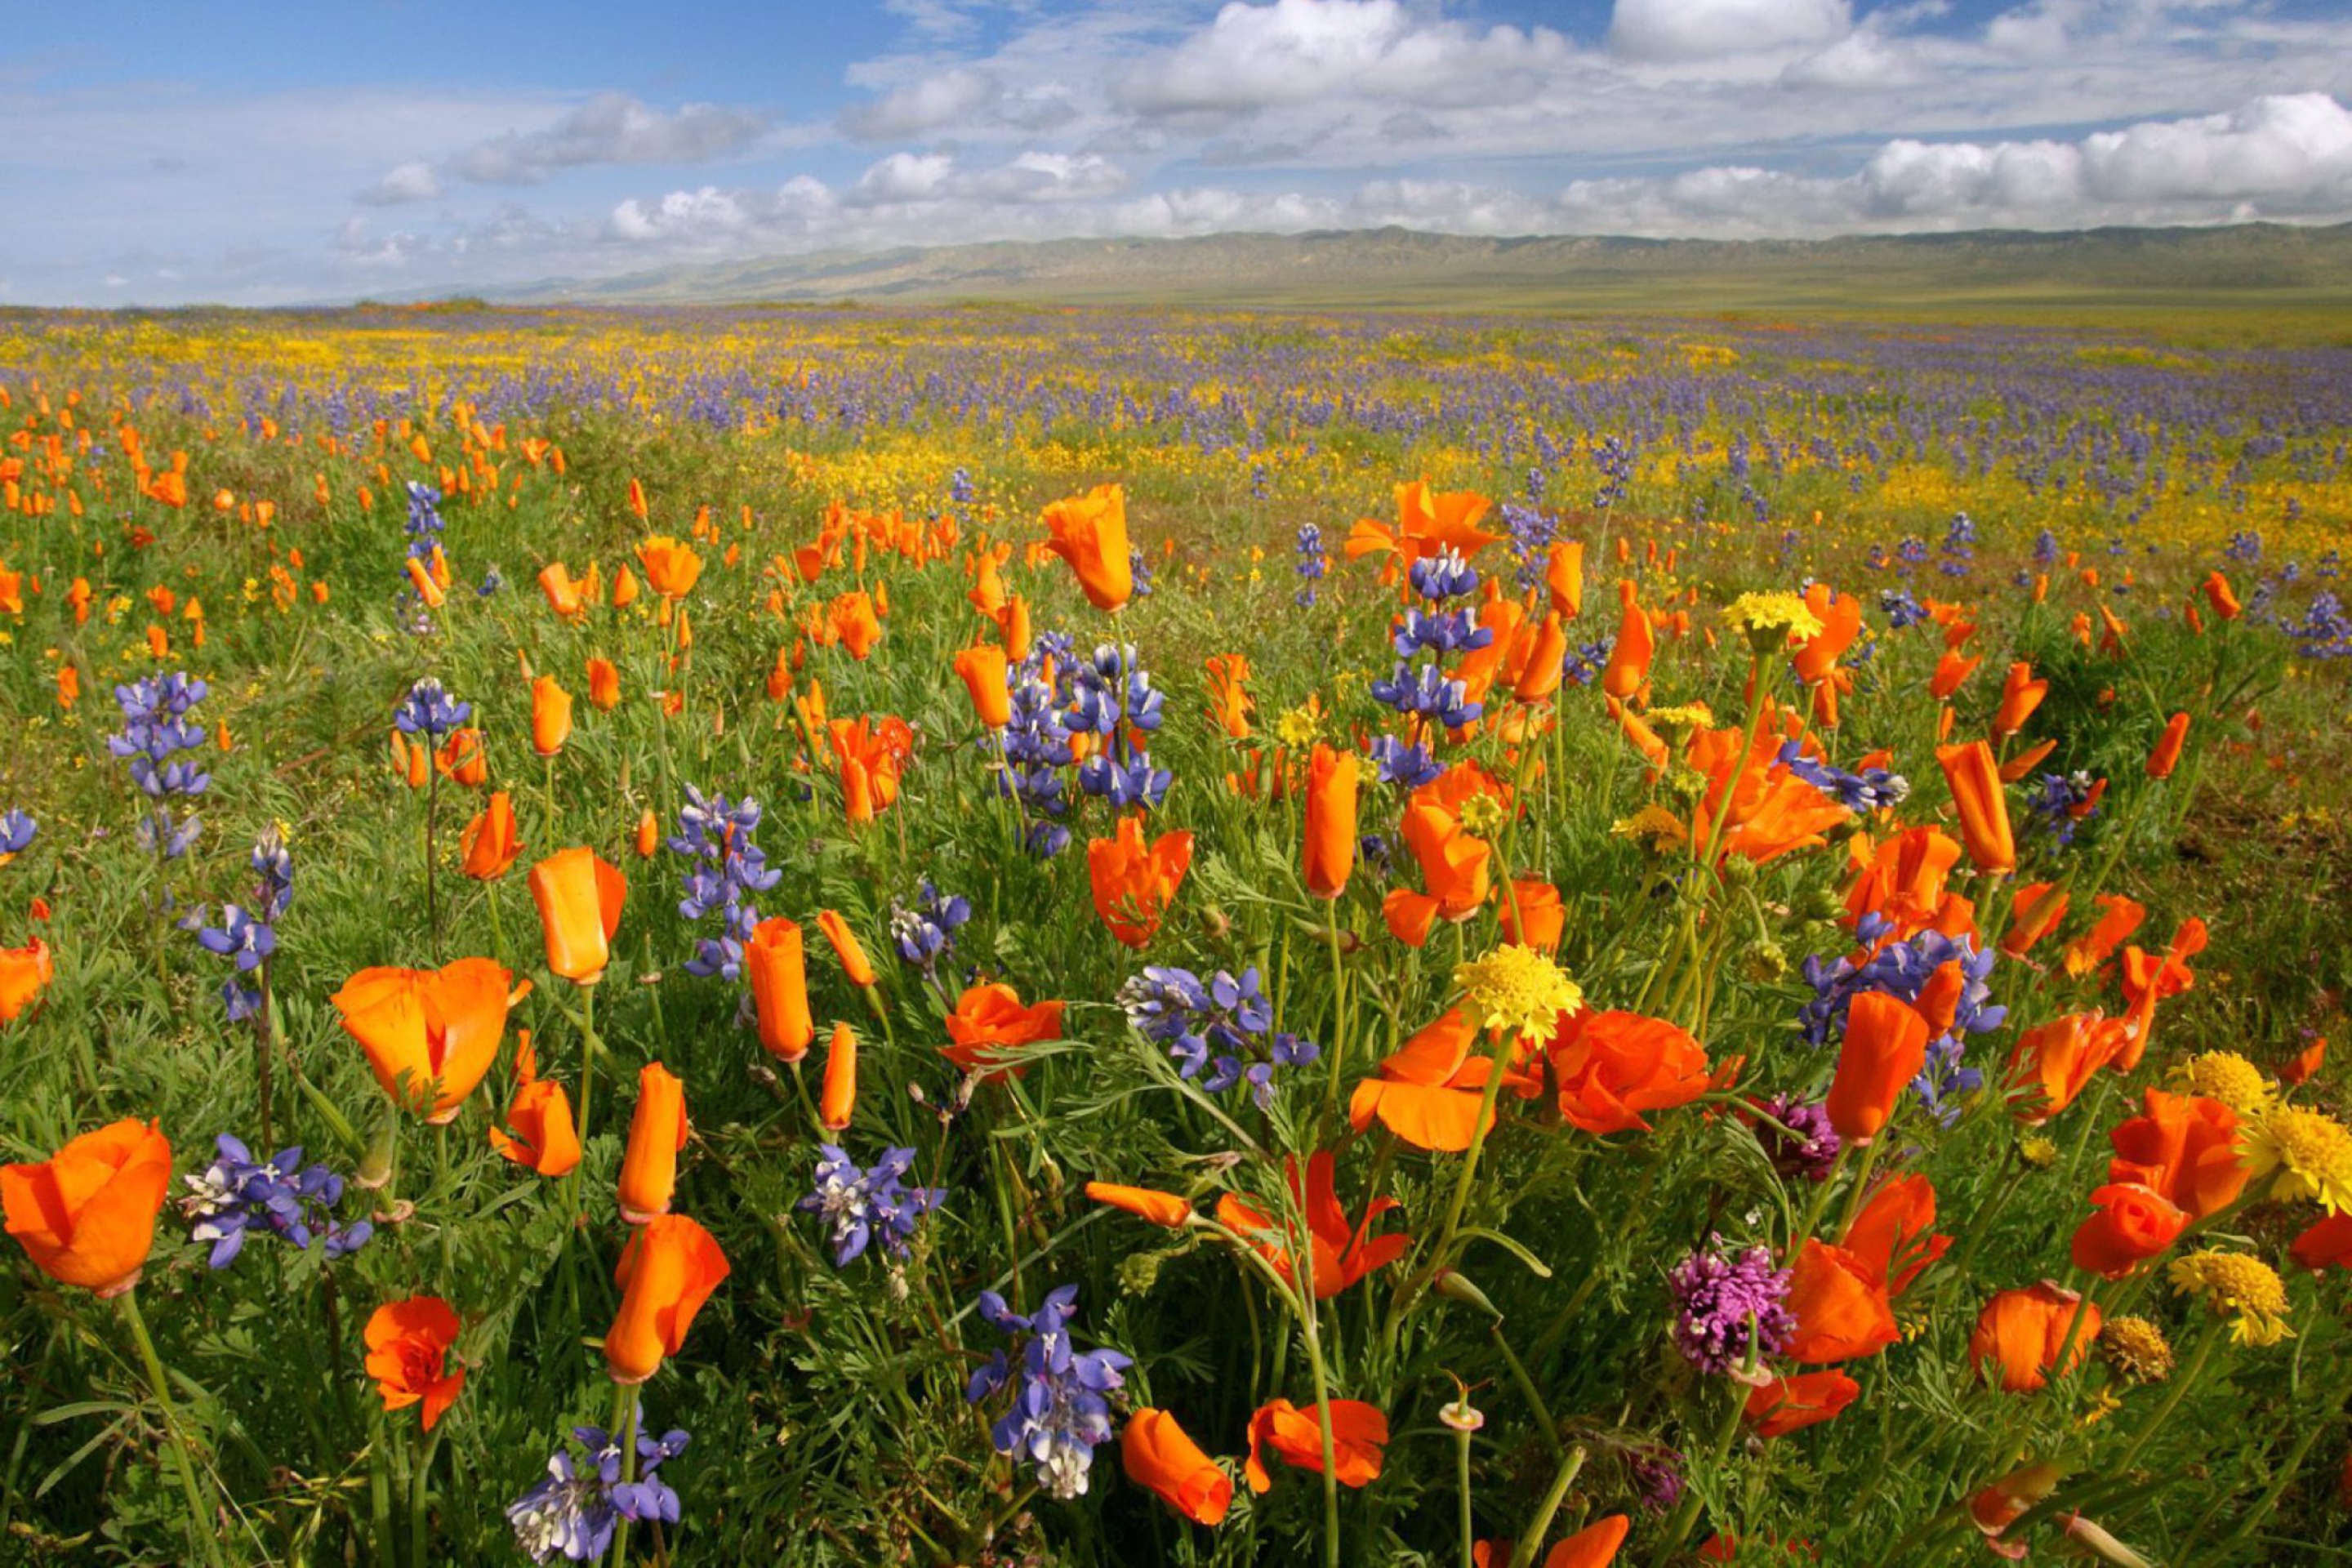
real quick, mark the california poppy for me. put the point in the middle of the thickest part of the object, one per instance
(2019, 1334)
(1803, 1399)
(462, 759)
(666, 1272)
(1975, 781)
(1229, 697)
(2053, 1062)
(2185, 1147)
(671, 568)
(838, 1100)
(430, 1035)
(409, 1345)
(539, 1130)
(1453, 873)
(86, 1216)
(1885, 1047)
(1089, 532)
(1160, 1457)
(1841, 1306)
(2134, 1224)
(2020, 694)
(657, 1133)
(981, 670)
(1329, 848)
(2327, 1244)
(603, 685)
(1163, 1209)
(1613, 1066)
(990, 1022)
(579, 896)
(2166, 756)
(1133, 883)
(872, 754)
(1893, 1235)
(846, 949)
(1533, 915)
(489, 843)
(774, 959)
(25, 973)
(1428, 1092)
(567, 597)
(1359, 1433)
(1628, 671)
(1342, 1253)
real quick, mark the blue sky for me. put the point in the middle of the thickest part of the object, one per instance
(280, 153)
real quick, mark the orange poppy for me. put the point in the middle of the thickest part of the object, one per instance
(991, 1021)
(551, 715)
(2019, 1334)
(1229, 697)
(1133, 883)
(1840, 616)
(1975, 781)
(666, 1272)
(539, 1130)
(981, 670)
(461, 758)
(1453, 873)
(2052, 1063)
(603, 685)
(409, 1345)
(86, 1216)
(567, 596)
(2035, 911)
(845, 947)
(1342, 1253)
(1430, 1091)
(872, 755)
(2134, 1224)
(430, 1035)
(2119, 918)
(657, 1133)
(1612, 1066)
(1359, 1433)
(1330, 848)
(2185, 1147)
(25, 973)
(2166, 756)
(778, 967)
(2327, 1244)
(1533, 915)
(1894, 1236)
(1841, 1306)
(854, 622)
(579, 896)
(1564, 578)
(1594, 1546)
(1628, 671)
(1885, 1048)
(489, 842)
(1157, 1456)
(1791, 1404)
(1089, 532)
(671, 567)
(838, 1100)
(2020, 694)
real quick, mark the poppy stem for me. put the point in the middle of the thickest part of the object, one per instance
(1462, 1483)
(1527, 1391)
(624, 1433)
(1523, 1555)
(1339, 1024)
(432, 881)
(587, 1084)
(1687, 1513)
(160, 1380)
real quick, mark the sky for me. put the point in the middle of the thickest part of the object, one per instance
(259, 154)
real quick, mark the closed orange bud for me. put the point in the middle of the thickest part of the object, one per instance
(409, 1345)
(579, 896)
(1089, 532)
(2167, 754)
(2221, 596)
(1329, 850)
(982, 671)
(625, 588)
(461, 758)
(838, 1100)
(780, 988)
(1159, 1457)
(648, 835)
(1533, 915)
(427, 589)
(1564, 578)
(658, 1131)
(845, 947)
(2020, 694)
(430, 1035)
(1975, 781)
(551, 715)
(2019, 1334)
(2134, 1224)
(86, 1216)
(1540, 675)
(1144, 1203)
(1628, 662)
(603, 685)
(666, 1272)
(1885, 1048)
(489, 843)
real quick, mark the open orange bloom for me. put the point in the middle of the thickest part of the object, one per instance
(1789, 1404)
(657, 1133)
(981, 670)
(872, 755)
(1134, 882)
(1885, 1047)
(1952, 672)
(2147, 980)
(2020, 694)
(991, 1021)
(489, 842)
(1089, 532)
(1428, 1092)
(1840, 616)
(1894, 1236)
(1342, 1253)
(1902, 878)
(2185, 1147)
(838, 1100)
(2221, 596)
(2019, 1333)
(2135, 1223)
(1453, 873)
(1329, 850)
(1975, 781)
(1841, 1306)
(1159, 1457)
(603, 685)
(1359, 1433)
(461, 758)
(671, 567)
(2166, 756)
(852, 619)
(408, 1347)
(1533, 915)
(666, 1272)
(566, 596)
(2052, 1063)
(1612, 1066)
(1427, 522)
(86, 1216)
(551, 715)
(2119, 918)
(579, 896)
(845, 947)
(539, 1130)
(430, 1035)
(2327, 1244)
(777, 964)
(25, 973)
(2035, 912)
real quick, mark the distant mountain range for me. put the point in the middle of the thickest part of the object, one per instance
(1995, 272)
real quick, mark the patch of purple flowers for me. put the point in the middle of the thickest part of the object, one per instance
(1219, 1024)
(1812, 1153)
(1729, 1307)
(1903, 969)
(859, 1206)
(1059, 1413)
(728, 868)
(573, 1511)
(281, 1196)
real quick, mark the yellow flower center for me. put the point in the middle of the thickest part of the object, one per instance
(2239, 1287)
(1518, 989)
(2227, 1076)
(2314, 1149)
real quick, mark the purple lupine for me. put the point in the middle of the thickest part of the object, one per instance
(281, 1196)
(1059, 1414)
(728, 867)
(1220, 1025)
(573, 1511)
(860, 1206)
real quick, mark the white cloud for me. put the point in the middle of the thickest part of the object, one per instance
(904, 177)
(410, 182)
(1702, 29)
(611, 128)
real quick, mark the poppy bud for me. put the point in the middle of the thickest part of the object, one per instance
(1160, 1457)
(658, 1131)
(1330, 838)
(839, 1099)
(846, 948)
(666, 1272)
(1885, 1048)
(579, 896)
(779, 973)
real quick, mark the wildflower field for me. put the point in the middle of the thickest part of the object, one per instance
(1018, 937)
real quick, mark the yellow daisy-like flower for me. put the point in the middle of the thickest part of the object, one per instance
(1482, 813)
(1518, 989)
(2244, 1289)
(1297, 728)
(2136, 1348)
(1769, 620)
(2227, 1076)
(1653, 827)
(2037, 1152)
(2311, 1150)
(1679, 719)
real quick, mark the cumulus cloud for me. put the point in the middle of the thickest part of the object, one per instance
(903, 177)
(611, 128)
(1702, 29)
(411, 181)
(952, 97)
(1296, 51)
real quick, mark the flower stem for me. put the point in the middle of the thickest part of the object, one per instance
(199, 1527)
(624, 1433)
(1687, 1513)
(1523, 1555)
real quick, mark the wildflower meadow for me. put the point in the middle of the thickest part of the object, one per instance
(1032, 937)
